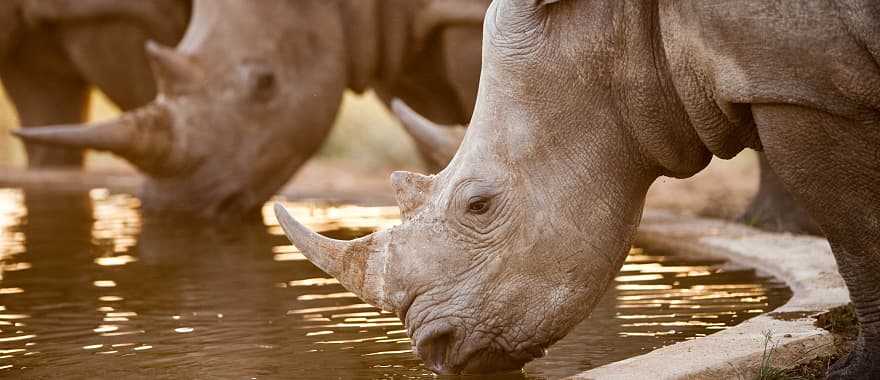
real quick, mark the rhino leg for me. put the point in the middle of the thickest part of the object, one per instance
(45, 90)
(840, 187)
(774, 209)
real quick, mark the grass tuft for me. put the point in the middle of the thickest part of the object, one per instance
(767, 371)
(841, 321)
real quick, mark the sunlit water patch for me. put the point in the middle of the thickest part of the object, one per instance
(90, 289)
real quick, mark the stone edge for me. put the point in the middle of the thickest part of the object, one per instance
(805, 264)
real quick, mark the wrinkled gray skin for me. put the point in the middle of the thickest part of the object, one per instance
(252, 91)
(582, 105)
(52, 51)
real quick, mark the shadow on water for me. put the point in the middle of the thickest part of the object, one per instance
(91, 289)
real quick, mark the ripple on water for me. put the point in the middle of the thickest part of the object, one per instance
(88, 287)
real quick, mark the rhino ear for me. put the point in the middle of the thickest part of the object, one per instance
(260, 81)
(411, 190)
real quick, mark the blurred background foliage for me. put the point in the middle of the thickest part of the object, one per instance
(366, 136)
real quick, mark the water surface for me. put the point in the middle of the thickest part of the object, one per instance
(89, 289)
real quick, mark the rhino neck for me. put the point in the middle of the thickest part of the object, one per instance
(654, 114)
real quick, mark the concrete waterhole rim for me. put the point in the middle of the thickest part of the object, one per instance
(804, 263)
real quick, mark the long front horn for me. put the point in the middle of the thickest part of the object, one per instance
(358, 264)
(143, 136)
(438, 142)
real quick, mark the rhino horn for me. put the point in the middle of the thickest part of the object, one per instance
(358, 264)
(440, 142)
(142, 136)
(175, 72)
(411, 191)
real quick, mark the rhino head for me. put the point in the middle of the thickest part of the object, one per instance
(248, 77)
(511, 245)
(498, 256)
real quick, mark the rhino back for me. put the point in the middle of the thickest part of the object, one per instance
(725, 56)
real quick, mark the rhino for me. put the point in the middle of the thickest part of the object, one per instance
(253, 89)
(581, 106)
(51, 51)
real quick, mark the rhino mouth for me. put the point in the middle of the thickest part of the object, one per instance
(437, 345)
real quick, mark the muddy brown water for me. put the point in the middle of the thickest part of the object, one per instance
(90, 289)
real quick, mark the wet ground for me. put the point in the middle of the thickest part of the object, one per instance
(90, 289)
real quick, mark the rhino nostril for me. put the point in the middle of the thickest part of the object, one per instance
(434, 351)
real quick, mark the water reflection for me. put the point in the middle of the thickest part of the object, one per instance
(92, 289)
(12, 211)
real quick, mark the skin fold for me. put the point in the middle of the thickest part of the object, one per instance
(581, 106)
(252, 91)
(53, 51)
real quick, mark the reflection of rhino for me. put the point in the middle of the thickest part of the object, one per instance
(253, 88)
(52, 50)
(584, 104)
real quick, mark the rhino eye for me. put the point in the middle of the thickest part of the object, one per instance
(264, 81)
(478, 205)
(260, 81)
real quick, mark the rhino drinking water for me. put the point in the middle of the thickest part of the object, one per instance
(582, 105)
(51, 51)
(252, 91)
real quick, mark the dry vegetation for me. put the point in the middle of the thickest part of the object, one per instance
(842, 323)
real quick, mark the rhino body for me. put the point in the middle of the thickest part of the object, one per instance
(52, 51)
(581, 106)
(252, 90)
